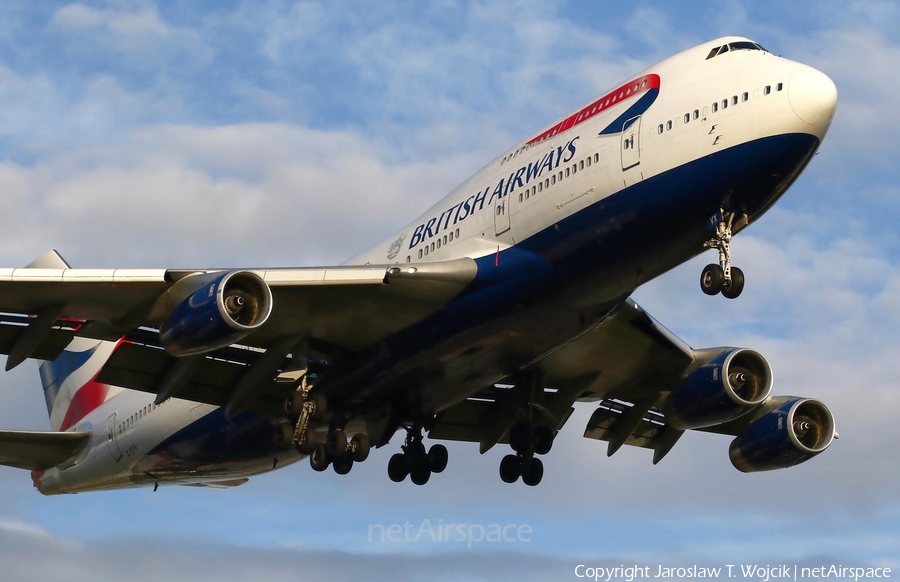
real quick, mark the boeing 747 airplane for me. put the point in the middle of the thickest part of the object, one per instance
(485, 320)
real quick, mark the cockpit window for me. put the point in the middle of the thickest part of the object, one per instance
(744, 46)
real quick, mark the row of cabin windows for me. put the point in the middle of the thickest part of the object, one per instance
(137, 416)
(558, 177)
(745, 96)
(447, 238)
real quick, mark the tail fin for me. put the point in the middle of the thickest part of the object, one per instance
(70, 381)
(70, 386)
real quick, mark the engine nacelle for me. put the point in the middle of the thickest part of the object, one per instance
(795, 432)
(721, 390)
(219, 313)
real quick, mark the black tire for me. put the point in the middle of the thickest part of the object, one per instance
(342, 466)
(416, 457)
(543, 440)
(293, 404)
(319, 460)
(734, 289)
(321, 408)
(362, 445)
(397, 470)
(519, 437)
(533, 472)
(510, 469)
(336, 444)
(420, 475)
(712, 279)
(437, 458)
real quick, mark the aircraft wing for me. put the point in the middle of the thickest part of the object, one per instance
(350, 307)
(318, 311)
(39, 450)
(628, 356)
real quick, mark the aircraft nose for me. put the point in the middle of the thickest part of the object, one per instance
(813, 96)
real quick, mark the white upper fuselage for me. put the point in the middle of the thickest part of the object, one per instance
(689, 83)
(701, 106)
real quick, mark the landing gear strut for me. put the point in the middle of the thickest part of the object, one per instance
(415, 461)
(722, 278)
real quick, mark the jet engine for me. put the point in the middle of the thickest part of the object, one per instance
(794, 432)
(721, 390)
(221, 312)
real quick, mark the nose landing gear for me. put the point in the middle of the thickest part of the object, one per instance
(723, 278)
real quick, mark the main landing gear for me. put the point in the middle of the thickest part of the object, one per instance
(526, 443)
(414, 461)
(339, 452)
(722, 278)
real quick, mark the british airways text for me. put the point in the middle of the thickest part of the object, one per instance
(517, 179)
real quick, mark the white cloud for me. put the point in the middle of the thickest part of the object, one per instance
(136, 30)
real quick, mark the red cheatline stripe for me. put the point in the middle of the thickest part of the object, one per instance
(611, 99)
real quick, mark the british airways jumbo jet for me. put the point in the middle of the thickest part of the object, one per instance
(484, 320)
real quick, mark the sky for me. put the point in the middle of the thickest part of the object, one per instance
(250, 134)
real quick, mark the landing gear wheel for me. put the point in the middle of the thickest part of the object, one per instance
(712, 279)
(543, 440)
(510, 468)
(321, 406)
(397, 470)
(420, 475)
(361, 446)
(319, 460)
(519, 437)
(336, 444)
(437, 458)
(533, 472)
(733, 289)
(342, 466)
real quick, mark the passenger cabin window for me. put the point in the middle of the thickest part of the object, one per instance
(596, 158)
(724, 103)
(687, 117)
(696, 114)
(715, 107)
(668, 125)
(734, 100)
(660, 128)
(745, 96)
(779, 86)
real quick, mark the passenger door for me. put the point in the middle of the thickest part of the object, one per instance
(501, 215)
(631, 143)
(112, 443)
